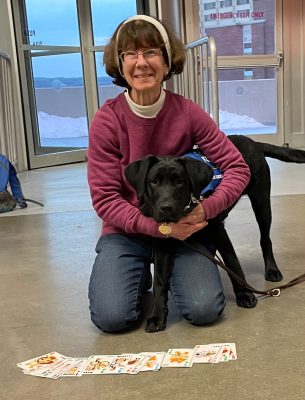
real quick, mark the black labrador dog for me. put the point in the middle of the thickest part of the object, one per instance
(167, 187)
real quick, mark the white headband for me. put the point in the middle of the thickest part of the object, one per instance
(160, 29)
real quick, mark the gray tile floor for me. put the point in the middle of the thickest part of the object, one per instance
(45, 262)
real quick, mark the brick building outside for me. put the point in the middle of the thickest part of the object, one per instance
(240, 27)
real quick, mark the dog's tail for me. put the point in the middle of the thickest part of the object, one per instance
(286, 154)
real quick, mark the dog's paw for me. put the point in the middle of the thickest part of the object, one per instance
(155, 324)
(273, 275)
(246, 300)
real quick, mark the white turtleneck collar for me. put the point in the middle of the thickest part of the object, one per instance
(146, 111)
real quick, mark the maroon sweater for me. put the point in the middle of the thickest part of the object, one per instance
(117, 137)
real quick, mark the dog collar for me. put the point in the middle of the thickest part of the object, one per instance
(192, 201)
(165, 229)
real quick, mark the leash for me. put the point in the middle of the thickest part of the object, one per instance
(34, 201)
(273, 292)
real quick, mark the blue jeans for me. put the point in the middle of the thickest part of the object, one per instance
(121, 273)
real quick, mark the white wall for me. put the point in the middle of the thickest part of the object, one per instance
(253, 100)
(249, 97)
(70, 101)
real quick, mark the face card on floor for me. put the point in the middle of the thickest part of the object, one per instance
(98, 364)
(46, 361)
(205, 353)
(153, 361)
(178, 358)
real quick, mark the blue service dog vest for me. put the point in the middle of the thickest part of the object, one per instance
(217, 173)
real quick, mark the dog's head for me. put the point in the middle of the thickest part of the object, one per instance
(165, 185)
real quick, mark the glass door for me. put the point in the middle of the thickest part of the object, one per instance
(103, 28)
(63, 81)
(248, 35)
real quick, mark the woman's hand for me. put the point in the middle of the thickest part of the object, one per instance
(191, 223)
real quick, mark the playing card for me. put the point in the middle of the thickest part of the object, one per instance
(134, 364)
(77, 368)
(45, 362)
(57, 372)
(227, 352)
(98, 364)
(206, 353)
(178, 358)
(118, 364)
(153, 361)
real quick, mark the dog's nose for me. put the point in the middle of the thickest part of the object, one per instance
(166, 208)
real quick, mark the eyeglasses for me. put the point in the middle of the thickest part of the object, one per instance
(131, 56)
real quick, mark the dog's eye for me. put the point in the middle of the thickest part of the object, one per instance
(179, 181)
(154, 181)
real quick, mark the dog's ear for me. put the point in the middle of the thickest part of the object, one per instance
(200, 174)
(136, 173)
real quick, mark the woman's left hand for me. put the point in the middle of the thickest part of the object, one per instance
(189, 224)
(196, 216)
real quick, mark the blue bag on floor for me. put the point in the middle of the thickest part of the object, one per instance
(8, 176)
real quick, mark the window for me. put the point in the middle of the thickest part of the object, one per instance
(209, 17)
(248, 73)
(225, 3)
(58, 26)
(60, 98)
(247, 48)
(247, 101)
(105, 20)
(247, 39)
(210, 6)
(233, 28)
(244, 30)
(247, 34)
